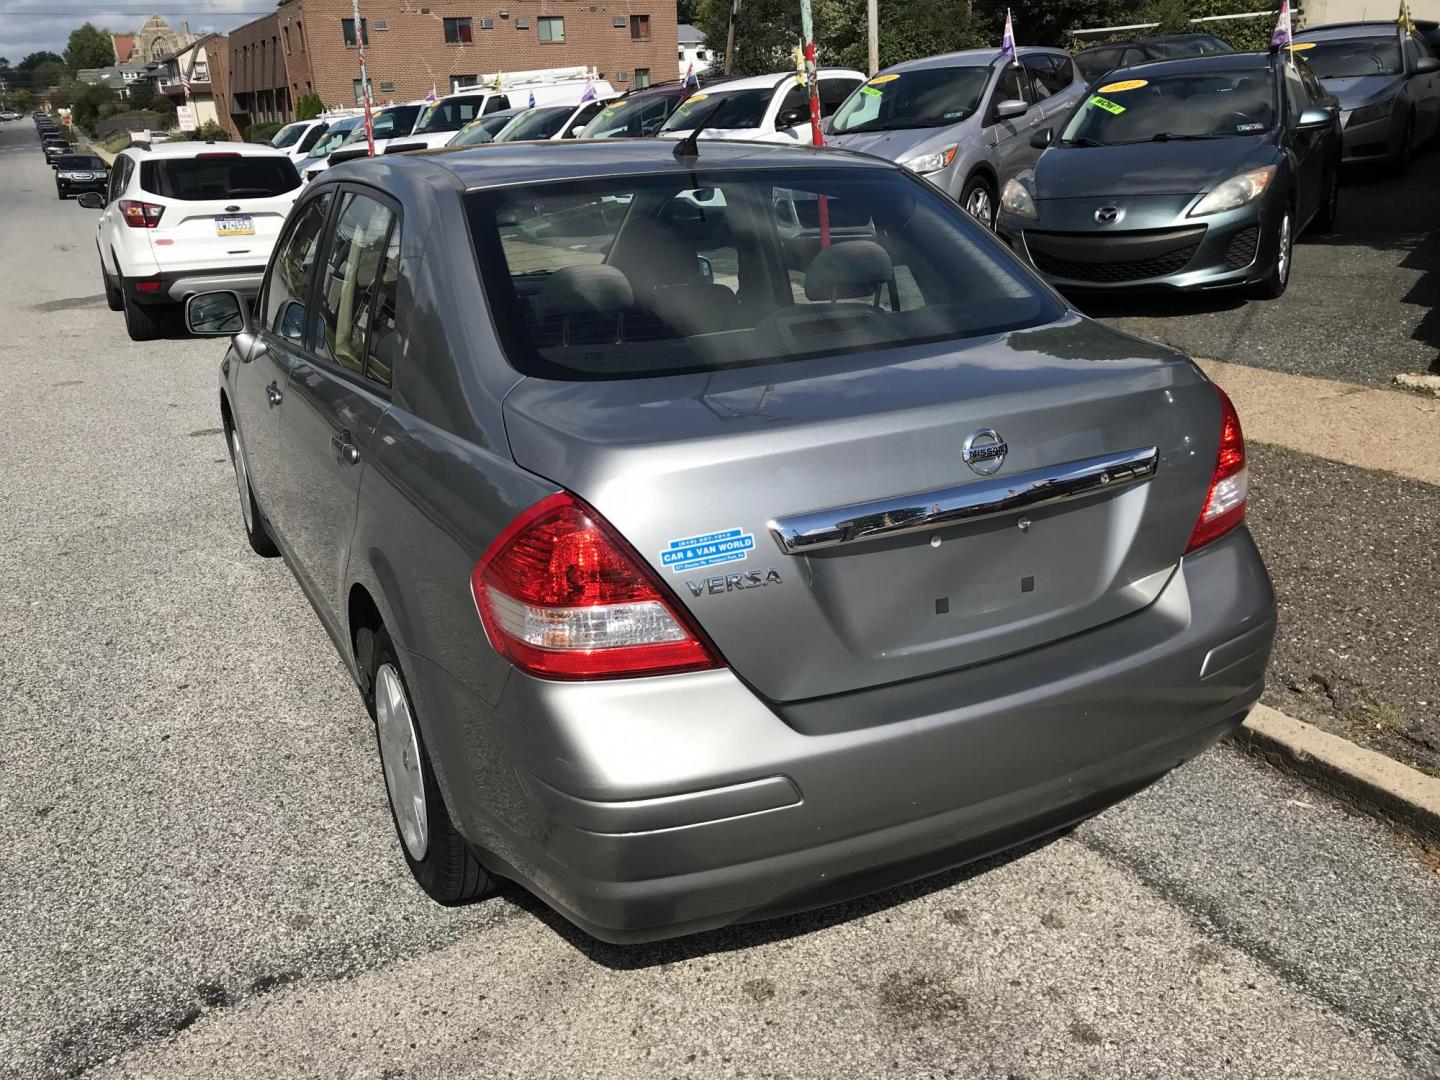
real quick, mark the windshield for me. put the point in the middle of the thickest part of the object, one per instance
(450, 114)
(1352, 59)
(535, 124)
(1205, 105)
(333, 139)
(289, 135)
(80, 161)
(630, 118)
(743, 109)
(483, 130)
(664, 274)
(922, 98)
(390, 123)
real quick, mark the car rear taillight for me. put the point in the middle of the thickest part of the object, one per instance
(141, 215)
(1229, 483)
(562, 596)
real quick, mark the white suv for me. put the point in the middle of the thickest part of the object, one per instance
(188, 217)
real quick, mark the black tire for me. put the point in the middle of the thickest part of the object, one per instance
(252, 520)
(1325, 217)
(60, 193)
(979, 199)
(1273, 286)
(142, 321)
(114, 298)
(447, 868)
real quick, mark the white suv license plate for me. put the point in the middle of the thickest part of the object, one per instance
(234, 226)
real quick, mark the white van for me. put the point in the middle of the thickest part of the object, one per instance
(520, 89)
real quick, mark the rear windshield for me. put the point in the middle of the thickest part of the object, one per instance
(660, 275)
(741, 109)
(535, 124)
(220, 177)
(922, 98)
(80, 161)
(1354, 58)
(1205, 105)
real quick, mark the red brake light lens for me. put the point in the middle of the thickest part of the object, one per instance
(141, 215)
(1229, 483)
(562, 596)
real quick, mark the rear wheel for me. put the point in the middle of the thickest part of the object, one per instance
(1273, 286)
(142, 321)
(978, 199)
(442, 861)
(114, 298)
(255, 530)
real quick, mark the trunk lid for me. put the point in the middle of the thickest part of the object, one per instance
(693, 470)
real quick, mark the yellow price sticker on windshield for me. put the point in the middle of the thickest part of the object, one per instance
(619, 105)
(1121, 87)
(697, 97)
(879, 79)
(1109, 106)
(1301, 46)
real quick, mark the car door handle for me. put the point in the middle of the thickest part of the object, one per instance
(274, 394)
(346, 452)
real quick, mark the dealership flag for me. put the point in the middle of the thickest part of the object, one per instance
(690, 78)
(1281, 36)
(1406, 23)
(589, 94)
(430, 97)
(1007, 43)
(532, 99)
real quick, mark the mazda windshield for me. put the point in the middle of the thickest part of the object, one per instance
(1352, 58)
(1202, 105)
(920, 98)
(736, 109)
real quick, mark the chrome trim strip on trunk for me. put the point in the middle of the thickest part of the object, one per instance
(799, 534)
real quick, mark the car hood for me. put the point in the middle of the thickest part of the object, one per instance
(898, 145)
(1165, 168)
(1364, 90)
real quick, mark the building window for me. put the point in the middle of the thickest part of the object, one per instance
(359, 91)
(387, 87)
(459, 82)
(639, 30)
(347, 30)
(457, 32)
(552, 28)
(487, 24)
(618, 22)
(301, 27)
(286, 31)
(520, 24)
(701, 54)
(642, 78)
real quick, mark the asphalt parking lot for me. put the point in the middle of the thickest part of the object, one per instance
(202, 879)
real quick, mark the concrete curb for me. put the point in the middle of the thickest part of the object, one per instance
(1370, 782)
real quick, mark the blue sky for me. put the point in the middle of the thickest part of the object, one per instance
(29, 25)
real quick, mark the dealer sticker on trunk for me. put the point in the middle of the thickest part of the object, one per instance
(707, 549)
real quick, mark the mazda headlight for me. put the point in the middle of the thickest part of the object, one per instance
(1016, 199)
(932, 162)
(1379, 111)
(1237, 191)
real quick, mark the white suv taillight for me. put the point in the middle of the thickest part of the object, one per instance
(562, 596)
(141, 215)
(1229, 483)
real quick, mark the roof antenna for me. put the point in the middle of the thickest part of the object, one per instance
(688, 147)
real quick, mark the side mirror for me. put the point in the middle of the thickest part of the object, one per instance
(1042, 138)
(213, 314)
(1427, 65)
(707, 272)
(1007, 110)
(1314, 118)
(789, 118)
(92, 200)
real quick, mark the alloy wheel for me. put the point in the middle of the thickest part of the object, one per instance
(980, 206)
(400, 758)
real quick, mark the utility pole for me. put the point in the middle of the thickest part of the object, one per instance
(364, 77)
(730, 35)
(872, 27)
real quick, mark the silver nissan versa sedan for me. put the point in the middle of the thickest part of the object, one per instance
(703, 558)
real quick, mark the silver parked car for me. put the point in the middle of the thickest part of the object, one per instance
(962, 120)
(696, 569)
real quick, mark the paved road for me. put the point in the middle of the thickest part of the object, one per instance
(201, 879)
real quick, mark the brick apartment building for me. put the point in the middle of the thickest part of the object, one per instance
(309, 46)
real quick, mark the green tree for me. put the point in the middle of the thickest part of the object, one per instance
(88, 48)
(86, 101)
(142, 94)
(50, 73)
(308, 107)
(22, 101)
(35, 59)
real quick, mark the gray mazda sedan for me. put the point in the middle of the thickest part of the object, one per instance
(1184, 174)
(699, 564)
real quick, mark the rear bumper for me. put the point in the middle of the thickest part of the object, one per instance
(647, 808)
(174, 286)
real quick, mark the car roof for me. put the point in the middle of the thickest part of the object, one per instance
(1338, 31)
(972, 57)
(772, 81)
(494, 165)
(1236, 61)
(190, 148)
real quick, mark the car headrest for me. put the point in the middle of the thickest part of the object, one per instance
(848, 270)
(584, 290)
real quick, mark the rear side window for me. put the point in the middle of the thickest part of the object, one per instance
(660, 275)
(350, 282)
(287, 287)
(223, 176)
(833, 93)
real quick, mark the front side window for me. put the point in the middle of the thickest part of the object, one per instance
(287, 286)
(1352, 58)
(921, 98)
(833, 93)
(1014, 85)
(552, 28)
(347, 31)
(457, 32)
(350, 279)
(660, 275)
(1206, 105)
